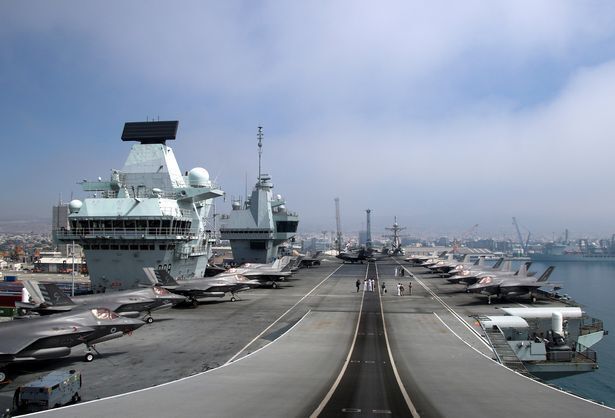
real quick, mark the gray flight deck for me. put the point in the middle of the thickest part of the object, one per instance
(441, 362)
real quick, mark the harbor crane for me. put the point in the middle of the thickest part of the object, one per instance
(525, 243)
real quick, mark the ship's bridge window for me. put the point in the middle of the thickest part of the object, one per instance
(154, 225)
(166, 226)
(134, 247)
(286, 226)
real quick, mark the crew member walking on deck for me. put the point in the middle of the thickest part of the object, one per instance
(410, 288)
(384, 288)
(398, 289)
(358, 283)
(364, 285)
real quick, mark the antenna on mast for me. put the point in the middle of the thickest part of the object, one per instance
(260, 149)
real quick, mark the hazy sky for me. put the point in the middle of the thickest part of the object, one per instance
(444, 113)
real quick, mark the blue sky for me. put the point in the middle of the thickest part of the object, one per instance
(445, 114)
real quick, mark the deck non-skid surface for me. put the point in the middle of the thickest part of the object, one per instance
(442, 374)
(285, 379)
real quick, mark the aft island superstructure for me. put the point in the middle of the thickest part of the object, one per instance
(257, 228)
(147, 215)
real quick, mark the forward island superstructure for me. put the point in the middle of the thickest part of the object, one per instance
(147, 215)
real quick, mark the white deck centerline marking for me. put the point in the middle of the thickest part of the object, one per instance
(402, 388)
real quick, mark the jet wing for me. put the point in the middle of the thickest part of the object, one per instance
(14, 339)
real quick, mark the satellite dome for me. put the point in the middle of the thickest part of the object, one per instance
(75, 205)
(282, 208)
(236, 205)
(278, 197)
(198, 177)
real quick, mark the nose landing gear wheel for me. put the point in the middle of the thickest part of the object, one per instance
(149, 319)
(88, 357)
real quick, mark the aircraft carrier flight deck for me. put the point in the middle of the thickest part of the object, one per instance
(314, 347)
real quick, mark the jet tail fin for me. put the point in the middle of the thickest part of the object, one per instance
(276, 264)
(34, 290)
(162, 277)
(497, 263)
(285, 263)
(545, 276)
(505, 266)
(523, 269)
(53, 295)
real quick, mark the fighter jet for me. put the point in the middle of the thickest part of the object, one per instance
(510, 285)
(466, 264)
(48, 298)
(266, 274)
(522, 271)
(310, 260)
(418, 259)
(216, 287)
(355, 257)
(48, 337)
(281, 264)
(445, 266)
(469, 276)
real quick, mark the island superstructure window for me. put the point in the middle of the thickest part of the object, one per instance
(127, 226)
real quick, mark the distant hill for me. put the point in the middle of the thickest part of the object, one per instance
(21, 226)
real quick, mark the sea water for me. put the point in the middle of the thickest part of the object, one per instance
(592, 285)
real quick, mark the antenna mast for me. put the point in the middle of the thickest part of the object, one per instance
(368, 238)
(260, 149)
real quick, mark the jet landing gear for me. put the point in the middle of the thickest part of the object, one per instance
(2, 377)
(497, 295)
(193, 303)
(89, 356)
(234, 297)
(148, 318)
(274, 285)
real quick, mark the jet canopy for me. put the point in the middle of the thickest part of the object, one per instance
(104, 314)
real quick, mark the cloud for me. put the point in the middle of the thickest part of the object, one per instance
(446, 114)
